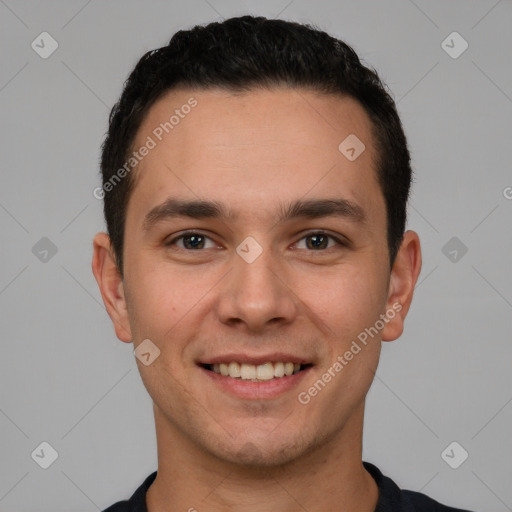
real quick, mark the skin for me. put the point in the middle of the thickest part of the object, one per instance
(254, 151)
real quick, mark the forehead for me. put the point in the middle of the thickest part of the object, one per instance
(257, 147)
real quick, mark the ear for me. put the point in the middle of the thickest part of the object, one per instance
(110, 282)
(404, 274)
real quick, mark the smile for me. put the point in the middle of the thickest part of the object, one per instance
(256, 373)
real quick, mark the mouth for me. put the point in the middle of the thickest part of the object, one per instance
(256, 376)
(268, 371)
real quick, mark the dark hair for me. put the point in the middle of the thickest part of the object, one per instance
(240, 54)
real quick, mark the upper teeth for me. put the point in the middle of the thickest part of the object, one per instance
(265, 371)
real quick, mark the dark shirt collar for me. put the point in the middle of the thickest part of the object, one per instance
(391, 498)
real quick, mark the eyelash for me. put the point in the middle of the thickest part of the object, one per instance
(338, 241)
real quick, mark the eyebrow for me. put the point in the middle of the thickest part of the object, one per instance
(205, 209)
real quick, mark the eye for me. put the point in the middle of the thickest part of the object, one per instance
(195, 241)
(320, 240)
(191, 241)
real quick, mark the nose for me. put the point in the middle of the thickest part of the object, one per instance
(257, 295)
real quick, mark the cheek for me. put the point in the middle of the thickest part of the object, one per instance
(157, 300)
(346, 300)
(159, 307)
(168, 306)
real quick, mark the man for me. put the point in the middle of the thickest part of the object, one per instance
(255, 180)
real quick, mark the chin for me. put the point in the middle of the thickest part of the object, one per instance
(262, 453)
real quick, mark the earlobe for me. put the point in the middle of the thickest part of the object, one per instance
(404, 275)
(111, 285)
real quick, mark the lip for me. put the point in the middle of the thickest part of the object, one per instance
(273, 357)
(247, 390)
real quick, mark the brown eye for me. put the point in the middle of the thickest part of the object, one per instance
(191, 241)
(319, 241)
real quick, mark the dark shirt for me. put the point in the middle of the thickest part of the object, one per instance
(391, 498)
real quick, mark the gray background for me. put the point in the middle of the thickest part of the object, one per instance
(67, 380)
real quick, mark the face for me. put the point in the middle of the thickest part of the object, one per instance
(284, 261)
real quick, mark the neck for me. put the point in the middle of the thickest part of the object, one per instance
(330, 477)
